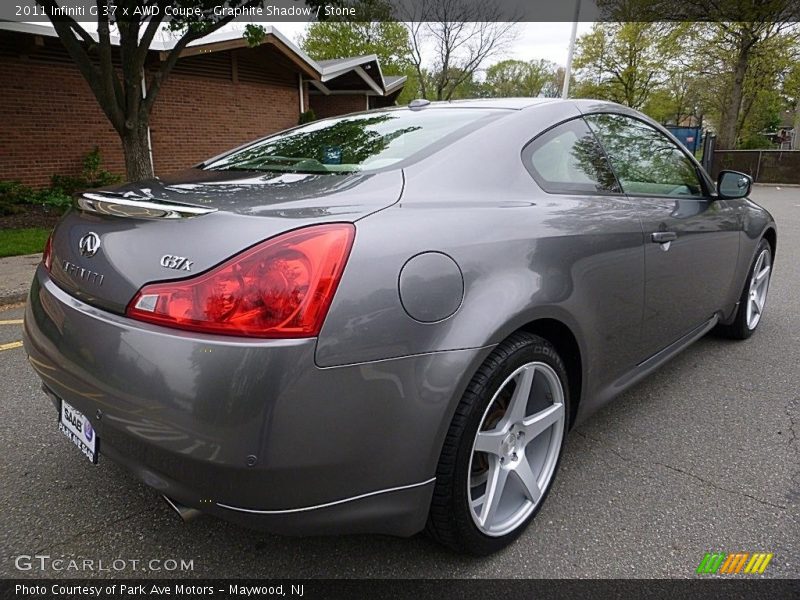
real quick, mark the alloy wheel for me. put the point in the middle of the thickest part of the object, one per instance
(516, 449)
(759, 284)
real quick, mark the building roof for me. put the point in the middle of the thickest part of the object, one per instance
(350, 74)
(394, 82)
(341, 75)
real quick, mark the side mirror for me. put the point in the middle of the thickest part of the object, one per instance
(732, 184)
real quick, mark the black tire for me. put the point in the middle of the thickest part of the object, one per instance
(738, 329)
(449, 521)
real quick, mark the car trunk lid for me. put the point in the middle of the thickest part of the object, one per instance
(116, 240)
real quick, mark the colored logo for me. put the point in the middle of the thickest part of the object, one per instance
(88, 432)
(734, 563)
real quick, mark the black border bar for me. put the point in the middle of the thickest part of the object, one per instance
(445, 589)
(428, 10)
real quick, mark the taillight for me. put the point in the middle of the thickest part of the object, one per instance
(47, 255)
(281, 288)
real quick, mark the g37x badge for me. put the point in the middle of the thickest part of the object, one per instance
(179, 263)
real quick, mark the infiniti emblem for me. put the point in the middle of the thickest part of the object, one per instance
(89, 244)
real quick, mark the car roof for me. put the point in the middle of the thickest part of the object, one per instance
(523, 103)
(507, 103)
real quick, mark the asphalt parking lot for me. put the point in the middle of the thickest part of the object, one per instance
(702, 456)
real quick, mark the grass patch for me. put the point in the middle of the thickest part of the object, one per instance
(14, 242)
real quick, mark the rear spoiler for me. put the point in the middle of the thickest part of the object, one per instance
(137, 207)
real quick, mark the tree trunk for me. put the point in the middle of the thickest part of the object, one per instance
(136, 147)
(729, 122)
(796, 130)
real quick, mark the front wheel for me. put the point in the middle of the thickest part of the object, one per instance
(503, 447)
(754, 296)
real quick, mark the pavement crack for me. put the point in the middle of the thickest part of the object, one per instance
(100, 529)
(792, 424)
(719, 487)
(689, 474)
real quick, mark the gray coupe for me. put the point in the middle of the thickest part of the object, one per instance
(388, 321)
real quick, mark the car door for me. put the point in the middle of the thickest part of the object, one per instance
(691, 238)
(596, 236)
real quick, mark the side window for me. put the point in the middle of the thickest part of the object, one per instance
(645, 160)
(569, 159)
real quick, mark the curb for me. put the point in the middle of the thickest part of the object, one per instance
(9, 298)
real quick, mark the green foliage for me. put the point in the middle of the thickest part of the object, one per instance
(756, 141)
(93, 175)
(676, 71)
(624, 62)
(53, 197)
(791, 86)
(14, 195)
(379, 35)
(510, 78)
(468, 87)
(388, 40)
(15, 242)
(410, 88)
(307, 117)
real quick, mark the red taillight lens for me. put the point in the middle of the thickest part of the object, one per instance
(281, 288)
(47, 255)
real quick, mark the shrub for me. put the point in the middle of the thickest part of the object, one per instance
(756, 142)
(307, 117)
(92, 176)
(53, 198)
(14, 195)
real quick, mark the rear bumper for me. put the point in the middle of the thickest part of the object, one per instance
(252, 431)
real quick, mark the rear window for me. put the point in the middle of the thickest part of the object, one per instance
(354, 143)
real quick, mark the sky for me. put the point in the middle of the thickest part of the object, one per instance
(534, 40)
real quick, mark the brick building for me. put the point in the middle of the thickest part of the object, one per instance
(222, 93)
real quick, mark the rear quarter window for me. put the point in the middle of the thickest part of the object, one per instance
(569, 159)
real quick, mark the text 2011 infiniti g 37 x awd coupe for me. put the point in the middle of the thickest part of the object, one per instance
(388, 321)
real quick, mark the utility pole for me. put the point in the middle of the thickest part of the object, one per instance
(568, 71)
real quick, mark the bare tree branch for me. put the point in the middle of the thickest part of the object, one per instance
(463, 35)
(160, 76)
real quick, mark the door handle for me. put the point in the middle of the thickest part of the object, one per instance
(662, 237)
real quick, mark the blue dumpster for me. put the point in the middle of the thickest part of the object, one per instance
(688, 136)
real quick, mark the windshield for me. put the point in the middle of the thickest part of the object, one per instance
(353, 143)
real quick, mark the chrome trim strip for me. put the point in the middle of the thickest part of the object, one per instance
(142, 209)
(327, 504)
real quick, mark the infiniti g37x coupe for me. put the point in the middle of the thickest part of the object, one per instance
(388, 321)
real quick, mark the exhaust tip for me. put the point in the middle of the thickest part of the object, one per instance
(186, 513)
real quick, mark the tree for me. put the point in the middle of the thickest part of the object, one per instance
(791, 92)
(127, 93)
(510, 78)
(743, 41)
(378, 34)
(733, 46)
(463, 35)
(623, 62)
(741, 94)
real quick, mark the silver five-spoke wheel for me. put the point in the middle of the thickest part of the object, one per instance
(516, 449)
(759, 284)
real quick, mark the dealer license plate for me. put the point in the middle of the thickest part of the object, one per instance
(79, 430)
